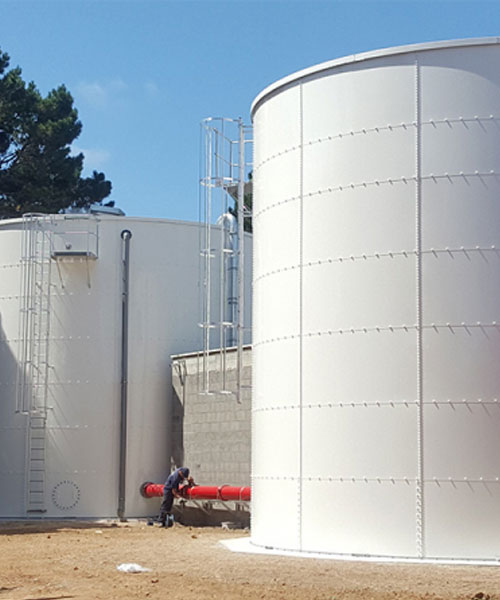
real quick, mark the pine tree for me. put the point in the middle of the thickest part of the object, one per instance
(37, 171)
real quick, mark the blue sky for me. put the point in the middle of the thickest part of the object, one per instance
(145, 72)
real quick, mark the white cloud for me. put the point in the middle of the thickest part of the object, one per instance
(99, 94)
(151, 88)
(94, 158)
(117, 85)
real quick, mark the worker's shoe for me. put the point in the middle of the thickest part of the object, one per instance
(161, 519)
(168, 522)
(165, 520)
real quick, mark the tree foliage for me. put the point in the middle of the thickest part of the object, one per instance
(247, 203)
(37, 171)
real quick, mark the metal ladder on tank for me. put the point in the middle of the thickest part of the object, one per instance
(226, 156)
(33, 370)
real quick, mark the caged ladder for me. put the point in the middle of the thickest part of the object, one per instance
(33, 365)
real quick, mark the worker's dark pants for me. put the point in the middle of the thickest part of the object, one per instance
(166, 505)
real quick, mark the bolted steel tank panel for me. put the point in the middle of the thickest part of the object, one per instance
(377, 305)
(79, 453)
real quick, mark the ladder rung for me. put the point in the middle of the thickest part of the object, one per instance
(36, 484)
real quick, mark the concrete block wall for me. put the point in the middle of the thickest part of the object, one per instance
(211, 434)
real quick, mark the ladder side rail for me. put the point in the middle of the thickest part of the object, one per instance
(21, 379)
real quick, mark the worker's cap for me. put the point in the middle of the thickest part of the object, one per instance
(184, 471)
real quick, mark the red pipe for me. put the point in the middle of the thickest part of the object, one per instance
(200, 492)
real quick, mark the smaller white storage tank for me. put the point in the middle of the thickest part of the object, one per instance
(377, 305)
(63, 459)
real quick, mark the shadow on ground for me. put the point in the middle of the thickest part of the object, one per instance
(30, 527)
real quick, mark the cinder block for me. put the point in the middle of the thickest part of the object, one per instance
(215, 430)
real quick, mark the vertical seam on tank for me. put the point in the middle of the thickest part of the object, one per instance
(301, 257)
(420, 522)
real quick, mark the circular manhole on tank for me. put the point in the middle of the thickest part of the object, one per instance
(66, 494)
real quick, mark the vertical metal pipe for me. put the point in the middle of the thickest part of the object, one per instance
(232, 273)
(241, 257)
(126, 236)
(228, 227)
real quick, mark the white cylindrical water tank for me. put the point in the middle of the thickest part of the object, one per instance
(65, 462)
(377, 305)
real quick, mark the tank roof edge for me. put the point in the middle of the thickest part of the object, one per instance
(126, 219)
(293, 78)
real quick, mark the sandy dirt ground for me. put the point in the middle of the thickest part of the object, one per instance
(53, 561)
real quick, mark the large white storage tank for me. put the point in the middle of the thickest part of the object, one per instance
(377, 305)
(63, 460)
